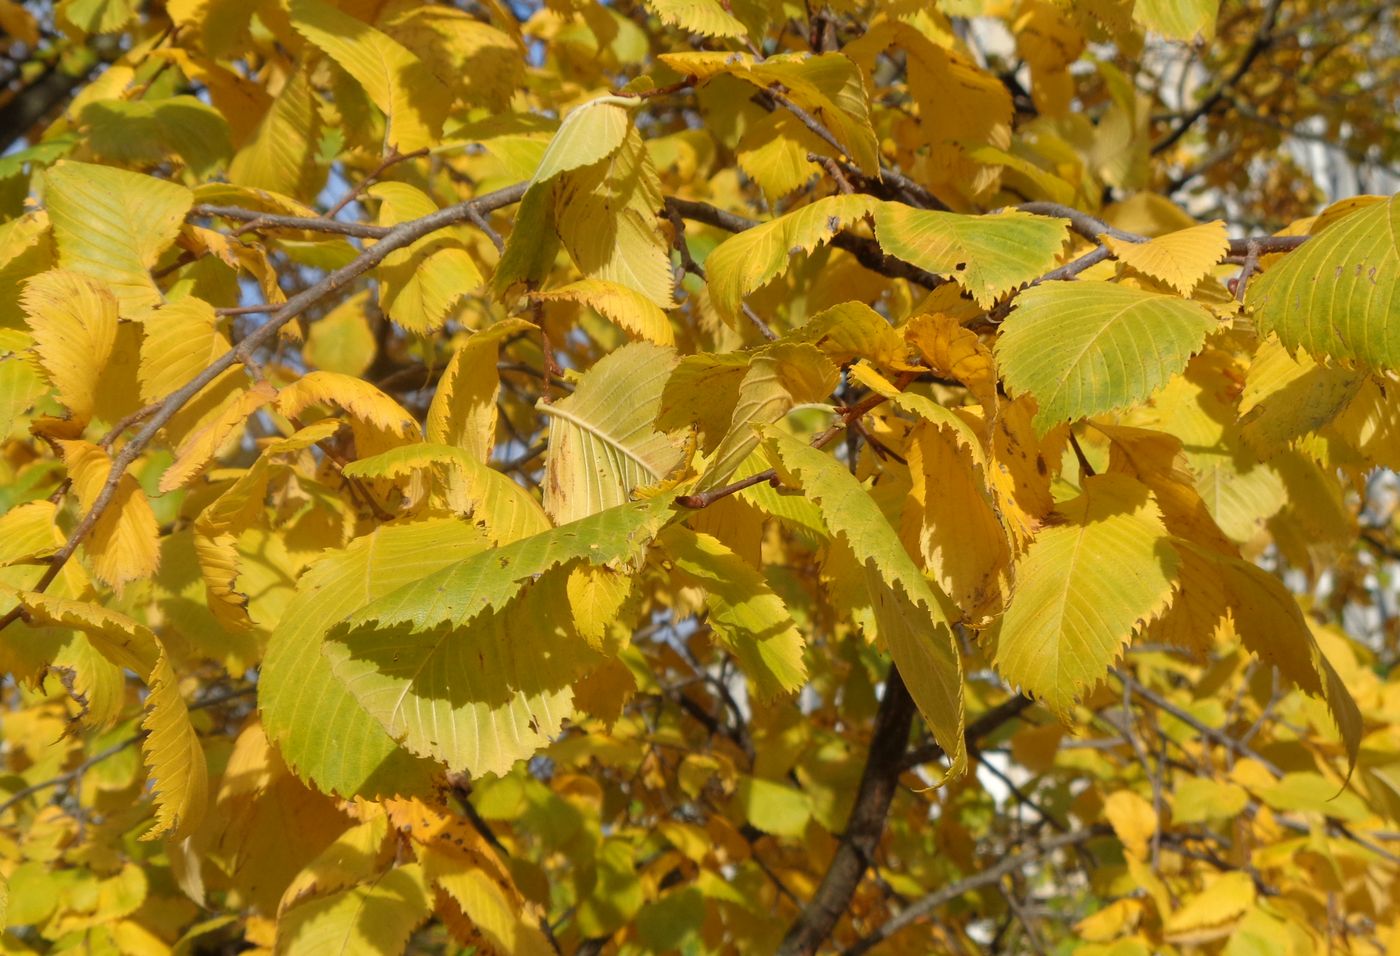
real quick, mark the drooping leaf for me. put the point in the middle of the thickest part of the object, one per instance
(74, 322)
(779, 377)
(1335, 296)
(124, 543)
(463, 410)
(179, 340)
(1083, 587)
(913, 618)
(420, 285)
(590, 134)
(952, 515)
(1084, 348)
(1178, 19)
(174, 755)
(631, 310)
(743, 611)
(987, 255)
(412, 99)
(705, 17)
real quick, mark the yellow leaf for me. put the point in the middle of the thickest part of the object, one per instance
(355, 856)
(743, 611)
(606, 215)
(1132, 819)
(950, 513)
(124, 544)
(412, 99)
(1226, 898)
(772, 807)
(602, 448)
(1087, 582)
(1180, 259)
(631, 310)
(179, 341)
(377, 421)
(596, 596)
(748, 260)
(1110, 922)
(377, 916)
(280, 156)
(987, 255)
(74, 321)
(200, 446)
(1018, 470)
(706, 17)
(851, 331)
(779, 377)
(590, 134)
(172, 749)
(463, 410)
(341, 340)
(420, 285)
(1198, 799)
(954, 352)
(112, 225)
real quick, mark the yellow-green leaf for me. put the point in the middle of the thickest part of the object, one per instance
(1084, 348)
(112, 225)
(1085, 585)
(987, 255)
(1336, 295)
(913, 617)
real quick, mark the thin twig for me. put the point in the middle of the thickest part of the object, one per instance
(398, 237)
(991, 875)
(1262, 38)
(394, 158)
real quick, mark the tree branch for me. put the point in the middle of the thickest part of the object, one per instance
(991, 875)
(856, 850)
(398, 237)
(1262, 38)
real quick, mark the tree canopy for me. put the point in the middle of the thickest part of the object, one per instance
(690, 476)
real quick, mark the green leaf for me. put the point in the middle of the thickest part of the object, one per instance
(743, 611)
(462, 590)
(478, 696)
(321, 731)
(1084, 348)
(1085, 584)
(473, 664)
(987, 255)
(1336, 295)
(912, 616)
(602, 443)
(112, 225)
(748, 260)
